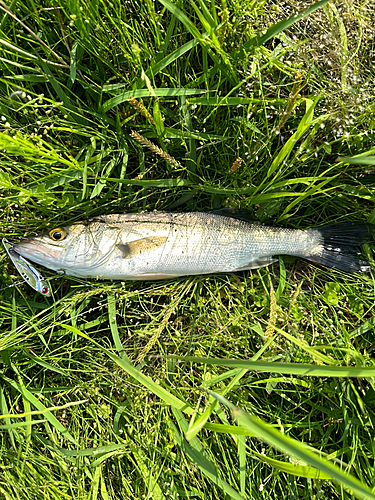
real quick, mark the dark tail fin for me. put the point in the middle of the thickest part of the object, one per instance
(340, 246)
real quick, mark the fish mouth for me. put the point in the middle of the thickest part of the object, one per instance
(37, 251)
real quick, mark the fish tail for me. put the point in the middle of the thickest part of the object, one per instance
(339, 245)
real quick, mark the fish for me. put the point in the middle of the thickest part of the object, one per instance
(161, 245)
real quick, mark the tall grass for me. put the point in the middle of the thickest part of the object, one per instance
(252, 385)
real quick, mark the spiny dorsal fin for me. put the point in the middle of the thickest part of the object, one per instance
(237, 213)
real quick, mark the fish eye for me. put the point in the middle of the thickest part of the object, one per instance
(57, 234)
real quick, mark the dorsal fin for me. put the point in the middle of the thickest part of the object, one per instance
(237, 213)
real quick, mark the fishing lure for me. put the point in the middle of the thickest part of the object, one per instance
(28, 272)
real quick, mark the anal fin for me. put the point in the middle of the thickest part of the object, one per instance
(256, 263)
(155, 276)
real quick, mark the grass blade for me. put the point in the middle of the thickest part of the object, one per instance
(25, 393)
(111, 301)
(278, 28)
(194, 452)
(159, 391)
(291, 447)
(170, 92)
(358, 160)
(242, 456)
(286, 368)
(73, 62)
(293, 468)
(4, 411)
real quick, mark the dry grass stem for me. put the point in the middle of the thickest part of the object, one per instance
(293, 96)
(273, 310)
(139, 106)
(155, 149)
(237, 163)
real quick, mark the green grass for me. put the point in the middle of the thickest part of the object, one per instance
(256, 385)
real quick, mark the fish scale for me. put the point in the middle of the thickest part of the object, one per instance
(158, 245)
(197, 243)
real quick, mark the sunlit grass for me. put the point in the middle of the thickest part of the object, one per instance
(126, 390)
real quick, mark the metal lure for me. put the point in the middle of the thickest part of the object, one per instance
(28, 272)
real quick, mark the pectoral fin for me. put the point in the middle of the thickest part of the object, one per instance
(141, 246)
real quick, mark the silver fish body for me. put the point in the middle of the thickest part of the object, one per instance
(165, 245)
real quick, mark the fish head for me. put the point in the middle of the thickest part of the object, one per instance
(67, 248)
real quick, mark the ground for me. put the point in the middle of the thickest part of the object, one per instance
(256, 385)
